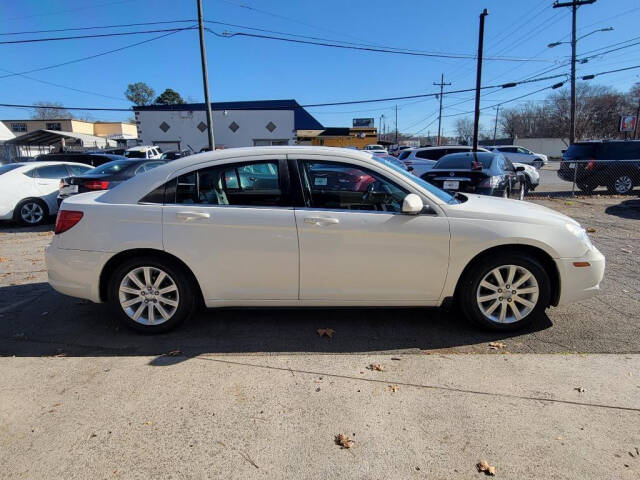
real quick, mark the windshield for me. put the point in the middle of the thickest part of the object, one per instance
(135, 154)
(110, 168)
(9, 167)
(462, 162)
(441, 194)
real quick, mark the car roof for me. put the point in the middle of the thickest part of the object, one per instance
(141, 148)
(469, 154)
(132, 190)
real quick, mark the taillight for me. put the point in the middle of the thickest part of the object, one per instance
(67, 219)
(96, 184)
(591, 165)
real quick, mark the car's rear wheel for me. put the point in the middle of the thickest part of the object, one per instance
(31, 212)
(620, 185)
(505, 292)
(151, 295)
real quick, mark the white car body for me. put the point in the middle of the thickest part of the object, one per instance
(23, 182)
(521, 155)
(143, 151)
(532, 174)
(302, 256)
(424, 158)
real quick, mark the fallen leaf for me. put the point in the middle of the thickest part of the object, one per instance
(393, 388)
(591, 229)
(376, 367)
(496, 345)
(344, 441)
(483, 466)
(626, 250)
(580, 389)
(2, 259)
(326, 332)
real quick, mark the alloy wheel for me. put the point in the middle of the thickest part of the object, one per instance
(507, 294)
(148, 295)
(623, 184)
(32, 212)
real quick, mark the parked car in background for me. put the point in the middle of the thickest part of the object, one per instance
(531, 176)
(110, 151)
(173, 154)
(104, 177)
(28, 190)
(143, 151)
(614, 164)
(375, 148)
(206, 230)
(485, 173)
(521, 155)
(424, 158)
(93, 159)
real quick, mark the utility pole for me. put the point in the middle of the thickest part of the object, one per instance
(476, 119)
(635, 128)
(205, 77)
(495, 126)
(574, 4)
(441, 84)
(396, 124)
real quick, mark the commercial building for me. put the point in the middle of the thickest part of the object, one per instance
(235, 124)
(346, 137)
(97, 129)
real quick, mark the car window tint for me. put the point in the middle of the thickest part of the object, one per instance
(347, 187)
(523, 150)
(404, 154)
(581, 151)
(244, 184)
(52, 171)
(78, 169)
(619, 151)
(508, 165)
(431, 154)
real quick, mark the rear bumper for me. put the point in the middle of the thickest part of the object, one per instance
(75, 272)
(578, 283)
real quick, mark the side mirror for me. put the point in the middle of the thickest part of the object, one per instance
(412, 204)
(520, 169)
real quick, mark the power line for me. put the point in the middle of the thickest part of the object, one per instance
(49, 67)
(372, 49)
(73, 29)
(97, 35)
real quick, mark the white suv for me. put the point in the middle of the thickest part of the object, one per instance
(143, 151)
(420, 160)
(521, 155)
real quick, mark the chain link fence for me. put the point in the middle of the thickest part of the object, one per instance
(585, 177)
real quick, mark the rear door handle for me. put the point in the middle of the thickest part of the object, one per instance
(191, 215)
(321, 221)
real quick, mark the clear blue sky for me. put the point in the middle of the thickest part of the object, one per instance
(252, 69)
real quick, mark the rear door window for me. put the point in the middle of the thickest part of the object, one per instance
(431, 154)
(78, 169)
(619, 151)
(52, 172)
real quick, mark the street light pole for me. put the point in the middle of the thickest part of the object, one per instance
(476, 119)
(574, 4)
(205, 77)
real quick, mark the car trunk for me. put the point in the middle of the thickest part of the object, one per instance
(457, 179)
(86, 183)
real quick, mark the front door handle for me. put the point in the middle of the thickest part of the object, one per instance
(191, 215)
(321, 221)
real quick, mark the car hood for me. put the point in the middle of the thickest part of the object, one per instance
(484, 207)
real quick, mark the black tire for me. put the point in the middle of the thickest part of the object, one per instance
(38, 206)
(470, 283)
(586, 187)
(621, 184)
(185, 297)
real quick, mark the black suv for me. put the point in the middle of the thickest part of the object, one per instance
(93, 159)
(613, 164)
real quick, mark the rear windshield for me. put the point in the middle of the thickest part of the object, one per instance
(404, 154)
(114, 167)
(456, 161)
(135, 154)
(9, 167)
(581, 151)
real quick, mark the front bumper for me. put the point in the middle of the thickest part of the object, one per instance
(75, 272)
(578, 283)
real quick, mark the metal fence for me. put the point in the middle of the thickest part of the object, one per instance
(586, 177)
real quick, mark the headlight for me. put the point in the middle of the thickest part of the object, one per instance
(580, 233)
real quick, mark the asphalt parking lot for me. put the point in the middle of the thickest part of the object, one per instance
(35, 320)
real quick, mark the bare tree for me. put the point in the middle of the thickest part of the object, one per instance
(464, 128)
(50, 110)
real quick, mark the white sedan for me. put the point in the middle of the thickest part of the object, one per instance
(313, 226)
(28, 190)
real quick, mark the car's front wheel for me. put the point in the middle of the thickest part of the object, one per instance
(620, 185)
(505, 292)
(151, 295)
